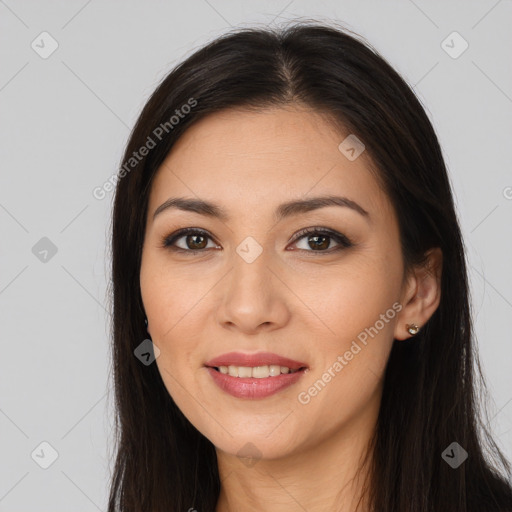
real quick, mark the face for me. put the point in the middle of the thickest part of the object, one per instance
(252, 281)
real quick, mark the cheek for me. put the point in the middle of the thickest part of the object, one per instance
(170, 296)
(173, 307)
(347, 299)
(350, 364)
(175, 318)
(355, 314)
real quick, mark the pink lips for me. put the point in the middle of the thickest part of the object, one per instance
(253, 388)
(259, 359)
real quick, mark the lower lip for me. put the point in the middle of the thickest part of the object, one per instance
(252, 388)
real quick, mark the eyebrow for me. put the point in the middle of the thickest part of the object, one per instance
(284, 210)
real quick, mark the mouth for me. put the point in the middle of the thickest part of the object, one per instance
(254, 376)
(256, 372)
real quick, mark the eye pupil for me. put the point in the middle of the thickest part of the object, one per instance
(317, 245)
(198, 245)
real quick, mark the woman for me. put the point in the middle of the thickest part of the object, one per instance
(284, 233)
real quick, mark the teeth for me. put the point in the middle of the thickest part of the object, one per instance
(257, 372)
(244, 372)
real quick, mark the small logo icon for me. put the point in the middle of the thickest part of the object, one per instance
(249, 249)
(147, 352)
(44, 455)
(249, 454)
(454, 45)
(44, 45)
(351, 147)
(454, 455)
(44, 250)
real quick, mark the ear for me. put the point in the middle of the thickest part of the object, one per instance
(421, 294)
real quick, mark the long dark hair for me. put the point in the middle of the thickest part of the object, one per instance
(430, 397)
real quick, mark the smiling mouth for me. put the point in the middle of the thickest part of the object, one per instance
(256, 372)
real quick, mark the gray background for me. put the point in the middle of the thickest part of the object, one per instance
(64, 122)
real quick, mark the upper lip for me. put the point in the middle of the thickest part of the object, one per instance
(252, 360)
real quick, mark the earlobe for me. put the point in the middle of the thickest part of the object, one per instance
(423, 295)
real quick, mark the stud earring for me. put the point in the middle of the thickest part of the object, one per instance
(412, 329)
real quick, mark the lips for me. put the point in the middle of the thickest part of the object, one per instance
(252, 360)
(254, 389)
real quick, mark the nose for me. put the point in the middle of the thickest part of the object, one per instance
(254, 297)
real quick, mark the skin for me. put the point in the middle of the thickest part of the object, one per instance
(300, 303)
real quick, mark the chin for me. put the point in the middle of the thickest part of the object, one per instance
(253, 444)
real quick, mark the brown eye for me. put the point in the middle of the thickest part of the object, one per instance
(319, 240)
(194, 240)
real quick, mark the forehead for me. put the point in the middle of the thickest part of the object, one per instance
(250, 159)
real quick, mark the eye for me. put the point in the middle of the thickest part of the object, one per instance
(318, 239)
(196, 240)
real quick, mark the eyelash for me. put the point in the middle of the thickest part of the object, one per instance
(342, 240)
